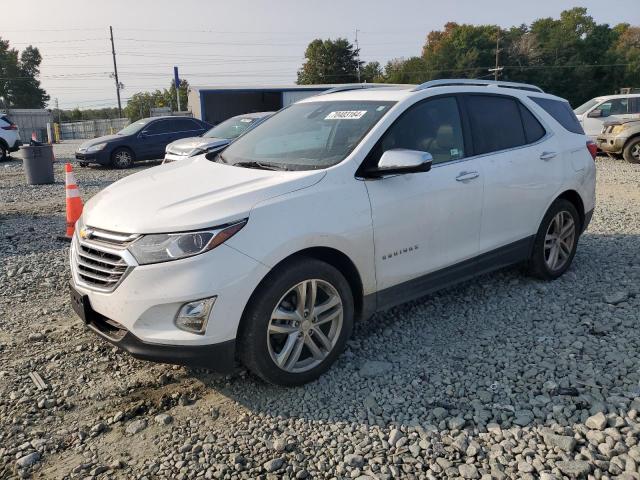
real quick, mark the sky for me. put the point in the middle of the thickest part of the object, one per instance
(248, 42)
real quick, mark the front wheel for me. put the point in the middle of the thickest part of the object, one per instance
(556, 241)
(631, 151)
(3, 153)
(297, 323)
(122, 158)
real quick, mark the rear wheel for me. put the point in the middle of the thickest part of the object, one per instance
(297, 323)
(83, 164)
(556, 241)
(122, 158)
(3, 152)
(631, 151)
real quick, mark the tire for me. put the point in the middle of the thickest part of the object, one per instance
(3, 152)
(631, 152)
(562, 213)
(83, 164)
(122, 158)
(266, 337)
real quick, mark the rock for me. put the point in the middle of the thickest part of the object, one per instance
(439, 413)
(456, 423)
(616, 297)
(574, 468)
(374, 368)
(279, 444)
(353, 460)
(163, 418)
(597, 421)
(523, 418)
(563, 442)
(273, 465)
(468, 471)
(136, 426)
(394, 436)
(28, 460)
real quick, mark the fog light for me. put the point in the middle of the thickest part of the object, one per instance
(193, 316)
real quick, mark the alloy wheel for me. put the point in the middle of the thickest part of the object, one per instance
(123, 159)
(635, 152)
(305, 326)
(559, 240)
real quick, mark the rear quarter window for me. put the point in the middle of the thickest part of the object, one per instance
(561, 112)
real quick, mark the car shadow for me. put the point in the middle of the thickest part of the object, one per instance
(501, 348)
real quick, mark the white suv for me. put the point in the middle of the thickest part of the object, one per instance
(338, 206)
(9, 137)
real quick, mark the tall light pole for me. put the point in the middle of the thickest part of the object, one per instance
(115, 72)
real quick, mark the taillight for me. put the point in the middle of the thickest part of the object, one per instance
(593, 149)
(10, 127)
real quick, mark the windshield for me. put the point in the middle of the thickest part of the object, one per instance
(306, 135)
(586, 106)
(231, 128)
(135, 127)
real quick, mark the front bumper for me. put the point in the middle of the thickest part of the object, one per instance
(219, 357)
(173, 157)
(16, 146)
(611, 143)
(102, 157)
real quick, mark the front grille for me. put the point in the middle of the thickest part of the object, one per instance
(100, 261)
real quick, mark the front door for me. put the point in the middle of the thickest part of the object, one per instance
(424, 222)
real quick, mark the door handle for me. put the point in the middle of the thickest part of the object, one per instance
(467, 176)
(547, 155)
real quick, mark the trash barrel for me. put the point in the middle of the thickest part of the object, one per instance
(38, 163)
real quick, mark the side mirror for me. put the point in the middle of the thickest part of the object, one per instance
(142, 134)
(596, 113)
(399, 161)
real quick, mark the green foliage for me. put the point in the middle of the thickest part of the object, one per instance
(19, 84)
(329, 61)
(572, 57)
(371, 72)
(88, 114)
(140, 104)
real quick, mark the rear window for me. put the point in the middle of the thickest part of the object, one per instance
(495, 123)
(561, 112)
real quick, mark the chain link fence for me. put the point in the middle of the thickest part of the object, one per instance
(91, 128)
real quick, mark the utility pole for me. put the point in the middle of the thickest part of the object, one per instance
(115, 72)
(358, 50)
(496, 70)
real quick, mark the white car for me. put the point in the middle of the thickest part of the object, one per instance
(9, 137)
(336, 207)
(595, 112)
(214, 139)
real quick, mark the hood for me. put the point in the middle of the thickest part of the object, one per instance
(96, 141)
(186, 145)
(189, 195)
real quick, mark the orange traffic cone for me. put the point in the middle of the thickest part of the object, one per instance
(74, 202)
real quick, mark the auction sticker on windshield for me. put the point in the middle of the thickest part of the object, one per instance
(346, 115)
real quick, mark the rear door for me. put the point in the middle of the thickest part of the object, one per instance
(522, 165)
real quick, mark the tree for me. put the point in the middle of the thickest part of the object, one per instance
(330, 61)
(371, 72)
(140, 104)
(19, 85)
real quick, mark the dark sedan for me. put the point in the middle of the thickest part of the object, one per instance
(142, 140)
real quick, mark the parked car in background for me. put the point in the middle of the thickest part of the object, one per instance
(595, 112)
(621, 137)
(338, 206)
(145, 139)
(215, 139)
(9, 137)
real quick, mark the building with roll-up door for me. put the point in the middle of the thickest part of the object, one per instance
(216, 104)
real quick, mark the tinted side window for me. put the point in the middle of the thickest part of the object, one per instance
(634, 105)
(495, 123)
(533, 131)
(159, 126)
(184, 124)
(561, 112)
(432, 126)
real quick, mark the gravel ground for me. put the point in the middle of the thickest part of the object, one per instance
(501, 377)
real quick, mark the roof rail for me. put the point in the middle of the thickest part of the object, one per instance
(357, 86)
(447, 82)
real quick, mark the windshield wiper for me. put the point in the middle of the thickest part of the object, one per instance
(260, 165)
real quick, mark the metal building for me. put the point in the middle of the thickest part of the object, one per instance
(216, 104)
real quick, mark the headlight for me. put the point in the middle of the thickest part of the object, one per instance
(618, 128)
(165, 247)
(196, 151)
(96, 148)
